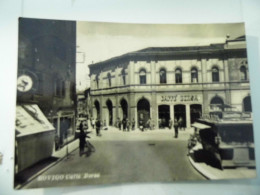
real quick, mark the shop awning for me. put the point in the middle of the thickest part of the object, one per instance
(200, 126)
(31, 120)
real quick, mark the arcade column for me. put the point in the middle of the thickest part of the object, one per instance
(154, 110)
(187, 115)
(171, 112)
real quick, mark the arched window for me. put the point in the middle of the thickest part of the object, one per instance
(123, 76)
(109, 79)
(217, 103)
(194, 75)
(142, 75)
(97, 81)
(215, 74)
(162, 75)
(247, 104)
(243, 73)
(178, 75)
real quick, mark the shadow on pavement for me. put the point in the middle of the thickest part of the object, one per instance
(23, 176)
(202, 156)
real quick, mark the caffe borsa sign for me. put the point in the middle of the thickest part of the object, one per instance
(180, 98)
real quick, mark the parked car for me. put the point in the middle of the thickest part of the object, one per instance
(230, 142)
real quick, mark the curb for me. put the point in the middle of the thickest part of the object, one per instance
(200, 169)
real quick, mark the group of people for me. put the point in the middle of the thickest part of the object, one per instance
(125, 124)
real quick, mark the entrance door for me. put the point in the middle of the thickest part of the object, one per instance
(143, 110)
(195, 112)
(164, 115)
(124, 107)
(180, 112)
(110, 112)
(97, 110)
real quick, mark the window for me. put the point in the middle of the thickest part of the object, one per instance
(63, 87)
(162, 76)
(59, 88)
(97, 81)
(123, 76)
(178, 76)
(243, 73)
(215, 74)
(142, 75)
(109, 79)
(194, 75)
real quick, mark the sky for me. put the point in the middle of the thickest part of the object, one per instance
(98, 41)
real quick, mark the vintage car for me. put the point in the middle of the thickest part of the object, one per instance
(229, 141)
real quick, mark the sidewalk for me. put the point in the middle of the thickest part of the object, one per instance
(211, 172)
(34, 171)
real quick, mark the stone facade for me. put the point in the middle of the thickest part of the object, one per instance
(171, 82)
(47, 53)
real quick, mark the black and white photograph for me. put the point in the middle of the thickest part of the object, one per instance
(115, 103)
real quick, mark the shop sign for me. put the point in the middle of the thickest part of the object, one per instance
(179, 98)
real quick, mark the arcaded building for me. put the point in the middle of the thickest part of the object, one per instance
(163, 83)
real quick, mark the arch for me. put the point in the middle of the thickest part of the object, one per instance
(178, 75)
(109, 105)
(164, 115)
(97, 109)
(124, 107)
(195, 112)
(215, 74)
(243, 73)
(109, 79)
(142, 76)
(143, 111)
(163, 75)
(194, 75)
(247, 107)
(180, 114)
(217, 103)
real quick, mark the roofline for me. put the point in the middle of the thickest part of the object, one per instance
(200, 51)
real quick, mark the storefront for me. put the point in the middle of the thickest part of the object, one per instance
(186, 107)
(34, 136)
(64, 123)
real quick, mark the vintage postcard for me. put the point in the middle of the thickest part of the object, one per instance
(112, 103)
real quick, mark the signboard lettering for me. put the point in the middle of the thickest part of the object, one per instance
(179, 98)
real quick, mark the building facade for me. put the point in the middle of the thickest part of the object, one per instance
(171, 82)
(47, 72)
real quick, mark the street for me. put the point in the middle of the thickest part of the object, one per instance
(124, 157)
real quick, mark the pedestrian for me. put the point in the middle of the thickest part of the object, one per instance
(170, 124)
(124, 124)
(141, 124)
(98, 126)
(93, 123)
(148, 124)
(119, 123)
(128, 125)
(181, 124)
(105, 127)
(82, 139)
(133, 124)
(176, 126)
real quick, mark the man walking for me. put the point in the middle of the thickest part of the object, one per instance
(98, 126)
(176, 126)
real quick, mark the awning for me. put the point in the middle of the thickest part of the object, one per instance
(31, 120)
(200, 126)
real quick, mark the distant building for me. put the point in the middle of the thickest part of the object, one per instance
(46, 72)
(83, 104)
(164, 83)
